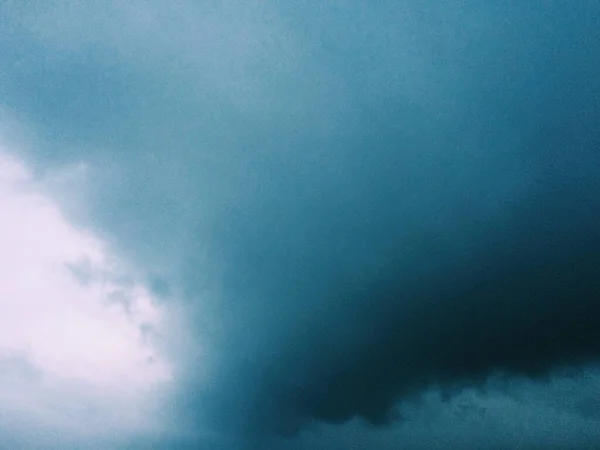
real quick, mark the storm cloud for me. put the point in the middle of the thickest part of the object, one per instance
(358, 204)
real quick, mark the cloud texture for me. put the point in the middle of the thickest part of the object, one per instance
(356, 203)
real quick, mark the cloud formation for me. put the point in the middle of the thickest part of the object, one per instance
(80, 339)
(355, 203)
(503, 414)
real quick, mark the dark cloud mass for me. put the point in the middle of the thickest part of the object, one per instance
(361, 201)
(417, 248)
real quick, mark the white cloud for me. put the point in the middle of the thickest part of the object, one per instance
(80, 333)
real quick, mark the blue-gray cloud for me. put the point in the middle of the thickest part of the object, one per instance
(357, 201)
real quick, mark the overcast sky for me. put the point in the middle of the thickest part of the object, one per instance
(299, 225)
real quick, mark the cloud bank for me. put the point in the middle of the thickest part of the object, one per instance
(355, 204)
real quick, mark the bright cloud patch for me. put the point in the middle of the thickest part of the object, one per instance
(78, 333)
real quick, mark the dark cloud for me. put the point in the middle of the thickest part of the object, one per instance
(415, 248)
(362, 201)
(501, 415)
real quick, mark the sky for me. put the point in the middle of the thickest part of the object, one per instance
(299, 225)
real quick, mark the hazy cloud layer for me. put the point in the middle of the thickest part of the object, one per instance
(356, 203)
